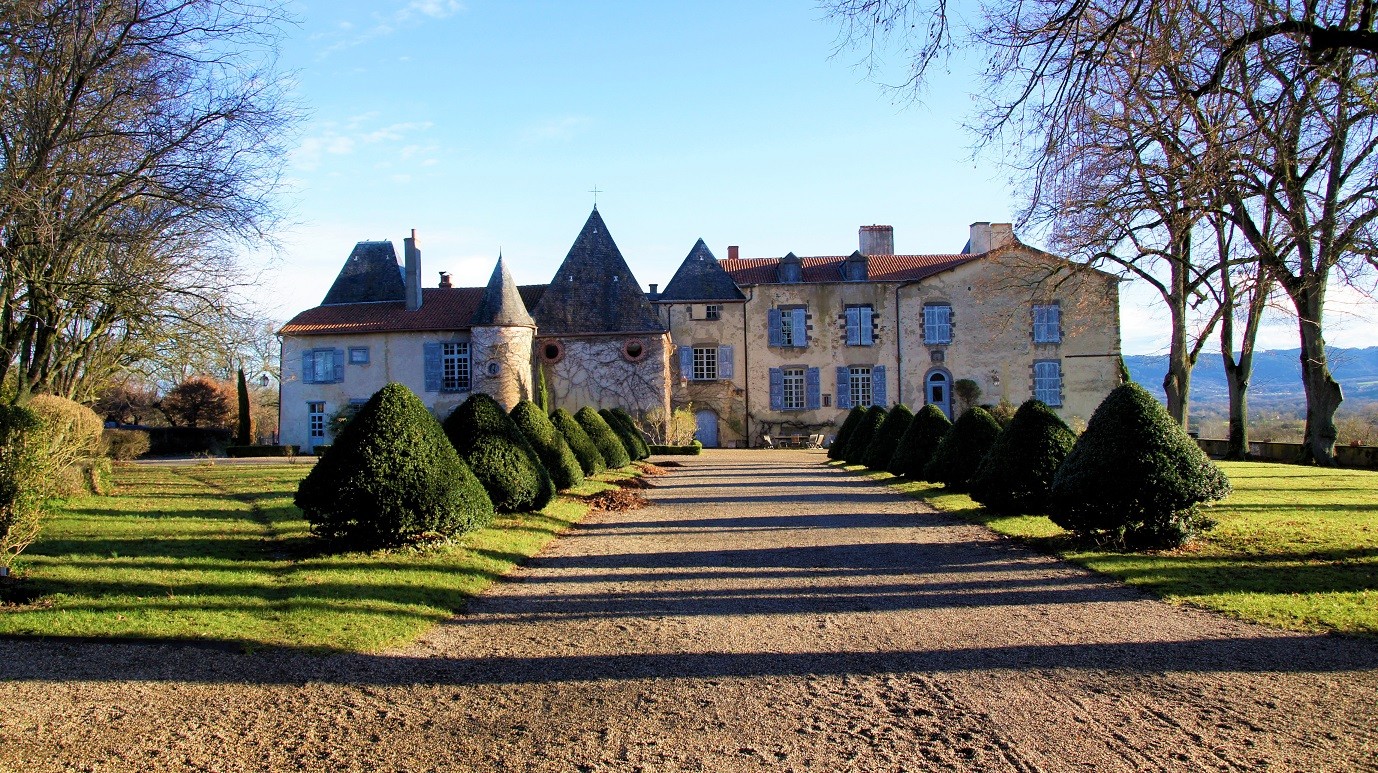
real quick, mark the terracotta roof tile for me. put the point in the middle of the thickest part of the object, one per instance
(442, 308)
(881, 268)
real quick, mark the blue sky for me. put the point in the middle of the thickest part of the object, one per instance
(484, 125)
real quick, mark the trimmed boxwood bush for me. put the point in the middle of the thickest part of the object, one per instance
(391, 476)
(887, 438)
(962, 449)
(643, 449)
(1135, 478)
(590, 459)
(603, 437)
(919, 442)
(865, 431)
(1018, 472)
(625, 433)
(693, 449)
(844, 433)
(550, 445)
(497, 452)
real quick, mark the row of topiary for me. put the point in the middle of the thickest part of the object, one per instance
(1133, 478)
(395, 473)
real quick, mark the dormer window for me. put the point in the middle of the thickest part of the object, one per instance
(855, 269)
(791, 271)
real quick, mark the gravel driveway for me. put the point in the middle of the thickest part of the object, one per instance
(765, 613)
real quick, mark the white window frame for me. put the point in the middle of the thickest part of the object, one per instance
(787, 327)
(937, 323)
(705, 363)
(859, 385)
(1047, 323)
(315, 420)
(712, 311)
(358, 355)
(455, 370)
(793, 396)
(323, 366)
(1047, 382)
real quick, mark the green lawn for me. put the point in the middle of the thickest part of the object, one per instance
(219, 552)
(1296, 547)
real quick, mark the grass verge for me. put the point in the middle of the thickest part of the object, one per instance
(220, 553)
(1296, 547)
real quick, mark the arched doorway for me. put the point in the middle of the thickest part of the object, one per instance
(938, 390)
(706, 431)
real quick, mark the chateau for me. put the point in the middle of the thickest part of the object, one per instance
(755, 346)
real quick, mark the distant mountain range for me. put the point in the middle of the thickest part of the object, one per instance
(1276, 382)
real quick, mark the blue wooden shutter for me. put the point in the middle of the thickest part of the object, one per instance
(776, 334)
(853, 325)
(801, 330)
(686, 362)
(878, 386)
(1055, 323)
(339, 365)
(777, 389)
(864, 325)
(434, 371)
(844, 387)
(308, 367)
(812, 389)
(724, 361)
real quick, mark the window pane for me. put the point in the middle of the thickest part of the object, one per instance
(454, 367)
(705, 363)
(794, 389)
(859, 379)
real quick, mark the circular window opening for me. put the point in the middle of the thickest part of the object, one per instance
(634, 350)
(494, 368)
(552, 351)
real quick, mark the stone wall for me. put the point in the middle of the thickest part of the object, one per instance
(726, 397)
(597, 371)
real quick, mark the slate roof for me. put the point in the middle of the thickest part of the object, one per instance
(442, 308)
(881, 268)
(370, 274)
(701, 278)
(594, 290)
(501, 304)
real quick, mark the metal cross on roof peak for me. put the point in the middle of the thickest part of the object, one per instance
(595, 191)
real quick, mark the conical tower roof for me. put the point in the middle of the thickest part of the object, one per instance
(701, 278)
(501, 305)
(370, 274)
(594, 290)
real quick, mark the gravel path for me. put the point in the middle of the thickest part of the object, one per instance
(765, 613)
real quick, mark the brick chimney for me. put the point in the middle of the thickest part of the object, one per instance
(733, 252)
(445, 279)
(411, 265)
(877, 240)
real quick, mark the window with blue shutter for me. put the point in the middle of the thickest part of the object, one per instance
(775, 327)
(338, 365)
(308, 366)
(812, 389)
(859, 326)
(777, 389)
(1048, 381)
(937, 323)
(434, 369)
(686, 362)
(1047, 328)
(725, 361)
(878, 386)
(801, 329)
(844, 386)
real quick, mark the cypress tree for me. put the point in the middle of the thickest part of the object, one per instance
(244, 436)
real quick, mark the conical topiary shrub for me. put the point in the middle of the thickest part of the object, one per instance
(624, 435)
(962, 449)
(550, 445)
(844, 433)
(590, 460)
(390, 476)
(497, 452)
(1134, 477)
(887, 438)
(603, 437)
(643, 449)
(865, 431)
(1018, 472)
(919, 442)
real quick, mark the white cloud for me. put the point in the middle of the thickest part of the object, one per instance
(354, 134)
(347, 34)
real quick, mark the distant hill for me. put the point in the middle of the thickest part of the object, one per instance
(1276, 382)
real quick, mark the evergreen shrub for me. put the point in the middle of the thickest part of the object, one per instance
(550, 445)
(844, 433)
(603, 437)
(26, 482)
(887, 438)
(1018, 472)
(865, 432)
(122, 445)
(391, 476)
(495, 449)
(590, 459)
(962, 449)
(643, 449)
(1135, 478)
(625, 435)
(919, 442)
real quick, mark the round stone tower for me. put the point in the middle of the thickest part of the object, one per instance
(501, 335)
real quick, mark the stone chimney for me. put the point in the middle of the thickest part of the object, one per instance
(980, 238)
(445, 279)
(655, 287)
(877, 240)
(1001, 235)
(412, 271)
(733, 252)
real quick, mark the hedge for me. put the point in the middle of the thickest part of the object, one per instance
(865, 431)
(844, 433)
(1018, 472)
(693, 449)
(550, 445)
(624, 435)
(643, 450)
(887, 438)
(495, 449)
(962, 449)
(590, 458)
(603, 437)
(919, 442)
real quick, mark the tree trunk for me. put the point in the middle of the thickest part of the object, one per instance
(1323, 394)
(1177, 380)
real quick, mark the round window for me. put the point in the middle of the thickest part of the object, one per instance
(552, 351)
(494, 367)
(634, 350)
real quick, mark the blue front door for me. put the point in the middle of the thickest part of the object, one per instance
(707, 431)
(938, 391)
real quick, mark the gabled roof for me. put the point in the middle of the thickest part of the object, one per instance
(370, 274)
(501, 304)
(594, 290)
(701, 278)
(881, 268)
(442, 308)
